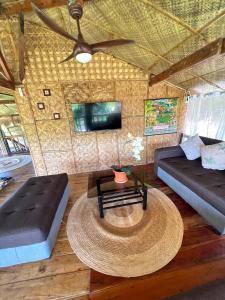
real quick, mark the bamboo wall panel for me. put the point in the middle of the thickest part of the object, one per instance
(77, 91)
(55, 146)
(24, 108)
(59, 162)
(85, 152)
(54, 135)
(99, 91)
(35, 149)
(107, 150)
(53, 103)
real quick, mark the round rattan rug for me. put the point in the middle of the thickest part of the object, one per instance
(128, 242)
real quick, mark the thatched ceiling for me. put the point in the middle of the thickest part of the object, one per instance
(165, 31)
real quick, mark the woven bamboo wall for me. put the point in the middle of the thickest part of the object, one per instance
(54, 145)
(56, 148)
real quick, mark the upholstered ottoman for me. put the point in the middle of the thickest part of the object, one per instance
(30, 219)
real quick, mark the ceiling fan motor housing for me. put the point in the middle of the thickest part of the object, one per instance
(75, 9)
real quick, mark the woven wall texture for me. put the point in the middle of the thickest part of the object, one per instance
(56, 147)
(165, 31)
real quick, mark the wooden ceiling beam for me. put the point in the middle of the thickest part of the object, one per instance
(5, 69)
(5, 102)
(16, 8)
(214, 48)
(21, 47)
(13, 115)
(7, 84)
(8, 80)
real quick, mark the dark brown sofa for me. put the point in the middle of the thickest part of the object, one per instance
(203, 189)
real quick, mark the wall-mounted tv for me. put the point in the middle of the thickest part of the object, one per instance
(96, 116)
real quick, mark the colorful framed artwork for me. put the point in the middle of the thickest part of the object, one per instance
(160, 116)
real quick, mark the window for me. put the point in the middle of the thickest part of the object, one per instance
(206, 116)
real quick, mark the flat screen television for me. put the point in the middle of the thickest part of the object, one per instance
(96, 116)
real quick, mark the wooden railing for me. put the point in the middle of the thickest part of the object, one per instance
(17, 145)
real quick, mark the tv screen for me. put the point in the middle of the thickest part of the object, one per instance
(96, 116)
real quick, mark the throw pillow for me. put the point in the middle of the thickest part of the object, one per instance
(213, 156)
(191, 147)
(185, 137)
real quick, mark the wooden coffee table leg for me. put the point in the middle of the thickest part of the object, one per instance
(100, 205)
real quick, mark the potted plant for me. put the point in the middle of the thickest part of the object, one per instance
(122, 171)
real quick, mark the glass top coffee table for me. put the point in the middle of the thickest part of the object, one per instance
(111, 194)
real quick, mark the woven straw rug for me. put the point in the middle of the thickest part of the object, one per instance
(128, 242)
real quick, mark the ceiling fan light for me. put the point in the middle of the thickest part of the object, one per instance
(84, 57)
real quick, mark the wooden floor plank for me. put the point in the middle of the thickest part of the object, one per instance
(63, 286)
(158, 287)
(20, 176)
(62, 247)
(186, 258)
(54, 266)
(201, 259)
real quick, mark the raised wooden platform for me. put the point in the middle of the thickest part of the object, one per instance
(200, 260)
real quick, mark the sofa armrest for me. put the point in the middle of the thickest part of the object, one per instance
(161, 153)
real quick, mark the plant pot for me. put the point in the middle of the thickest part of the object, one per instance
(120, 177)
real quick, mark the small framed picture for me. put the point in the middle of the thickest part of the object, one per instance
(41, 105)
(47, 92)
(56, 116)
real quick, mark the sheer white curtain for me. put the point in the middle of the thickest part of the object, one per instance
(206, 116)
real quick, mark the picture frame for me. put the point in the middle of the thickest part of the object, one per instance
(56, 116)
(41, 105)
(160, 116)
(46, 92)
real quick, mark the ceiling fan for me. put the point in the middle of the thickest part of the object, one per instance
(82, 51)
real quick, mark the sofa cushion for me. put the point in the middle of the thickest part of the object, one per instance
(26, 217)
(191, 147)
(209, 141)
(213, 156)
(208, 184)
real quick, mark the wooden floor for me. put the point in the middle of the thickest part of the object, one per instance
(200, 260)
(20, 176)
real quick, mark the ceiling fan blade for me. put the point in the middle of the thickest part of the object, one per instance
(109, 44)
(72, 55)
(51, 24)
(68, 58)
(21, 47)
